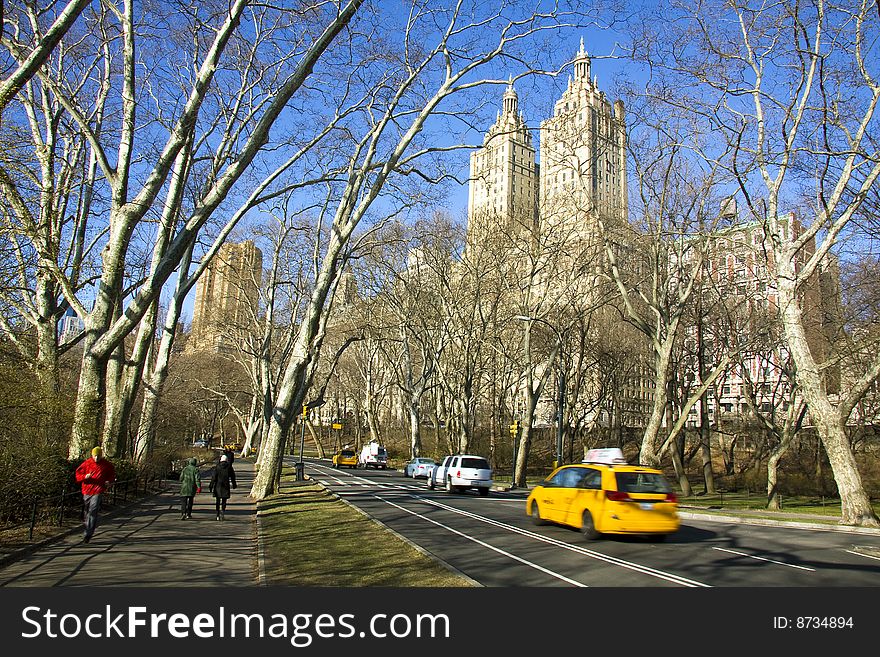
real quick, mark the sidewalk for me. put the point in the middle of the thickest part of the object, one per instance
(776, 519)
(147, 545)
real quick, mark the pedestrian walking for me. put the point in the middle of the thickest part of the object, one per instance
(222, 479)
(95, 474)
(190, 484)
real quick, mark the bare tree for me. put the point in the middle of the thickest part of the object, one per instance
(657, 264)
(793, 89)
(48, 179)
(414, 84)
(133, 178)
(33, 36)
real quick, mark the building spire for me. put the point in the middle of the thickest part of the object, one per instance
(510, 99)
(582, 64)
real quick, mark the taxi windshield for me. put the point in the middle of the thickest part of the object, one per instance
(642, 482)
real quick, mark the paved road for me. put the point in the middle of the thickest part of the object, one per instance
(149, 546)
(492, 541)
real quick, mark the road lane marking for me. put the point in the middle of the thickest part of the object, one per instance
(646, 570)
(862, 554)
(754, 556)
(486, 545)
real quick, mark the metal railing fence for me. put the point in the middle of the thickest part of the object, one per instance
(51, 510)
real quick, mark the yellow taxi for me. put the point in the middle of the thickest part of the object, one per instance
(606, 495)
(345, 457)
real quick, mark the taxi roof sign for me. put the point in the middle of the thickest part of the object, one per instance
(606, 455)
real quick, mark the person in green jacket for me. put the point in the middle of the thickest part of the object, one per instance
(190, 484)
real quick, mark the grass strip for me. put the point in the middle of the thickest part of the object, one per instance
(312, 538)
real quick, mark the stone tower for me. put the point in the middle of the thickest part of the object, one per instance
(583, 156)
(503, 191)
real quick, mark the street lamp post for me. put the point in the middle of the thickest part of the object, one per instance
(560, 416)
(561, 387)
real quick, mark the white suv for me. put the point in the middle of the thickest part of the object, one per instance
(461, 472)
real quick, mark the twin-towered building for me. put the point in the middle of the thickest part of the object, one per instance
(553, 197)
(580, 178)
(582, 170)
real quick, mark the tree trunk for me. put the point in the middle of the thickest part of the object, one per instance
(855, 505)
(525, 441)
(113, 413)
(315, 438)
(415, 429)
(154, 381)
(706, 447)
(648, 454)
(48, 379)
(677, 463)
(116, 428)
(89, 411)
(773, 478)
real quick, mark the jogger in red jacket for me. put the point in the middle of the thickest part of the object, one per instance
(95, 474)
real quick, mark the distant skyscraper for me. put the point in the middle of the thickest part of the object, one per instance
(503, 193)
(583, 156)
(70, 326)
(227, 296)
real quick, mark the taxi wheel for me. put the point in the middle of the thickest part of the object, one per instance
(449, 487)
(430, 482)
(536, 515)
(588, 529)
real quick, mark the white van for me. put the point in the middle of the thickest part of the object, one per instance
(373, 455)
(461, 472)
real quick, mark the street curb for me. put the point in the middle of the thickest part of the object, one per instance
(778, 523)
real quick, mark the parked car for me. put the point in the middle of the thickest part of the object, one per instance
(605, 495)
(202, 443)
(345, 457)
(418, 467)
(461, 472)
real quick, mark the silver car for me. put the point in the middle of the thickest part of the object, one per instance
(418, 467)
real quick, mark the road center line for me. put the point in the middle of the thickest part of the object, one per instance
(546, 539)
(754, 556)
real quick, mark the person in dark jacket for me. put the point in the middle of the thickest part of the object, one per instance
(190, 484)
(95, 474)
(221, 480)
